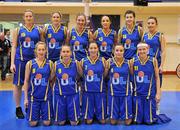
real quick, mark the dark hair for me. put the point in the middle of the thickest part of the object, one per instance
(152, 17)
(92, 43)
(130, 12)
(81, 14)
(58, 12)
(105, 16)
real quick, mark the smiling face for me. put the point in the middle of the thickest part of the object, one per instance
(142, 51)
(152, 25)
(40, 50)
(130, 19)
(56, 18)
(118, 51)
(66, 53)
(81, 21)
(105, 22)
(93, 49)
(28, 17)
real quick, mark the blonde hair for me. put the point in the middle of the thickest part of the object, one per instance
(58, 12)
(29, 10)
(36, 46)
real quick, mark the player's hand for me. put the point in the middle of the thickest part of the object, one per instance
(158, 98)
(1, 49)
(160, 69)
(13, 68)
(25, 103)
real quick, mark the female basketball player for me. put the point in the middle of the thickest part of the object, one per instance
(130, 35)
(147, 90)
(79, 38)
(66, 103)
(119, 91)
(24, 41)
(37, 88)
(156, 42)
(93, 70)
(106, 38)
(55, 36)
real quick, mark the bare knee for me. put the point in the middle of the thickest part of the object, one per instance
(46, 123)
(33, 123)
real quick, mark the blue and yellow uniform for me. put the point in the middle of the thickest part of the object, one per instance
(154, 42)
(66, 103)
(40, 92)
(105, 42)
(144, 104)
(119, 90)
(26, 41)
(79, 43)
(94, 95)
(55, 38)
(130, 40)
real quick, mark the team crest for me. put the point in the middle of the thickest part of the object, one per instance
(124, 36)
(101, 39)
(23, 34)
(49, 35)
(73, 37)
(76, 46)
(90, 76)
(103, 46)
(64, 80)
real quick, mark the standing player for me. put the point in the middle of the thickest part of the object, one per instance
(156, 42)
(130, 35)
(24, 41)
(55, 36)
(79, 38)
(119, 91)
(147, 90)
(106, 38)
(66, 103)
(37, 89)
(93, 69)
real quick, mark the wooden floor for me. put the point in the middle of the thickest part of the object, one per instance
(170, 83)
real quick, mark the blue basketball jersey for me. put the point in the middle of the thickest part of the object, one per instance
(119, 78)
(26, 42)
(130, 41)
(93, 74)
(154, 43)
(144, 77)
(66, 78)
(105, 42)
(39, 86)
(55, 38)
(79, 43)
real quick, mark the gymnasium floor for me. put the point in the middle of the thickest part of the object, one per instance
(169, 105)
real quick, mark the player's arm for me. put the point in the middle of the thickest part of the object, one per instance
(158, 89)
(26, 83)
(68, 37)
(13, 50)
(163, 52)
(106, 66)
(80, 67)
(131, 62)
(52, 74)
(42, 34)
(119, 36)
